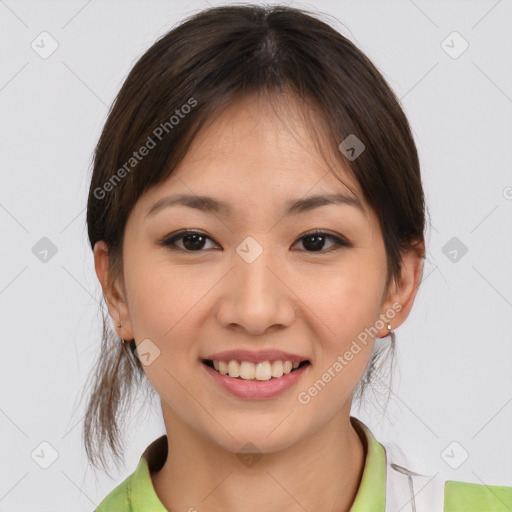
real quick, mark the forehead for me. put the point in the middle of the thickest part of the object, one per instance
(259, 150)
(277, 131)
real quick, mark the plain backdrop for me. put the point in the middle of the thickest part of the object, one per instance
(453, 382)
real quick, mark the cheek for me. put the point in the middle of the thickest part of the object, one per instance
(350, 305)
(350, 297)
(162, 302)
(162, 294)
(344, 350)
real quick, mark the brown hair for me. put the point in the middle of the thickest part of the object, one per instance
(206, 62)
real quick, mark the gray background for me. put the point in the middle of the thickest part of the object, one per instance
(454, 352)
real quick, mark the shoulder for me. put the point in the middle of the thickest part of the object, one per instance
(420, 489)
(136, 492)
(117, 500)
(465, 496)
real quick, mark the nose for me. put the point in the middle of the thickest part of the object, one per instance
(255, 296)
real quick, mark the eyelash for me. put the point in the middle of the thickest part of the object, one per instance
(170, 241)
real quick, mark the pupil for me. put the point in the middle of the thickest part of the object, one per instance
(314, 246)
(187, 238)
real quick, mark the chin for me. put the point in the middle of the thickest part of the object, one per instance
(254, 438)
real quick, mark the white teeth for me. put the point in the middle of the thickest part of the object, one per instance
(247, 370)
(223, 367)
(263, 371)
(233, 368)
(277, 369)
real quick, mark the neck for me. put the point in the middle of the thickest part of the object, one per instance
(322, 472)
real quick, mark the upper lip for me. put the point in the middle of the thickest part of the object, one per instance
(256, 357)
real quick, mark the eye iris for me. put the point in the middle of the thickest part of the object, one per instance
(315, 246)
(195, 238)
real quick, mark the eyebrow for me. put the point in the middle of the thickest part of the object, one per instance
(213, 205)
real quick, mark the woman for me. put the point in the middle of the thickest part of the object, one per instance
(257, 219)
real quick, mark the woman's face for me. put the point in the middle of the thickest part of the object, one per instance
(254, 282)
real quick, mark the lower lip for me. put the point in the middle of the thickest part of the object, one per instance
(256, 389)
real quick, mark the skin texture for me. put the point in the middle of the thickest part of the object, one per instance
(313, 303)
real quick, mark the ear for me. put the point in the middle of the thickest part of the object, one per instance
(114, 292)
(402, 291)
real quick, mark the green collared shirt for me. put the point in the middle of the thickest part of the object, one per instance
(136, 492)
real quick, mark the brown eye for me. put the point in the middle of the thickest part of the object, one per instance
(191, 241)
(195, 241)
(315, 242)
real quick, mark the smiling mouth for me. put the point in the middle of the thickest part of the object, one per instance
(249, 371)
